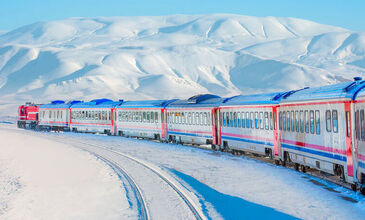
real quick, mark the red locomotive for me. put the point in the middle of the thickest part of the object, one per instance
(28, 115)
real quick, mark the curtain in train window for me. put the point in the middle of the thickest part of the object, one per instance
(292, 121)
(231, 119)
(197, 121)
(267, 120)
(334, 121)
(284, 121)
(201, 118)
(362, 124)
(270, 120)
(311, 115)
(328, 121)
(318, 122)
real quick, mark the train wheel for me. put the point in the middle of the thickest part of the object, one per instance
(277, 162)
(354, 187)
(296, 166)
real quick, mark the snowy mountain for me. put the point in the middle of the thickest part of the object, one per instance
(172, 57)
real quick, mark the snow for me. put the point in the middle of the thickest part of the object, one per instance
(43, 179)
(182, 55)
(221, 178)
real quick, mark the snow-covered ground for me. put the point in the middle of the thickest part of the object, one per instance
(181, 55)
(41, 180)
(44, 179)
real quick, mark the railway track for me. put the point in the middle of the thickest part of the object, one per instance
(195, 210)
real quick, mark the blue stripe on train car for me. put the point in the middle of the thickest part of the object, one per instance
(319, 153)
(247, 140)
(362, 165)
(189, 134)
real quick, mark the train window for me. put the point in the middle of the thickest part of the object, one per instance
(231, 119)
(144, 117)
(274, 118)
(280, 121)
(224, 119)
(148, 117)
(270, 120)
(239, 119)
(288, 120)
(334, 121)
(193, 118)
(311, 115)
(318, 122)
(362, 124)
(152, 117)
(292, 121)
(156, 117)
(267, 120)
(328, 121)
(261, 120)
(296, 121)
(306, 116)
(235, 119)
(205, 118)
(197, 120)
(201, 118)
(348, 125)
(208, 119)
(251, 120)
(58, 114)
(284, 121)
(301, 116)
(256, 120)
(247, 119)
(243, 119)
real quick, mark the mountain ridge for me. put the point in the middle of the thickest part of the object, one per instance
(176, 56)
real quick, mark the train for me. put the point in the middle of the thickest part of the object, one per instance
(321, 128)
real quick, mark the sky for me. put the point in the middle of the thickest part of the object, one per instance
(348, 14)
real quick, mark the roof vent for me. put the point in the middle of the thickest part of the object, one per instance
(58, 102)
(358, 78)
(99, 101)
(199, 98)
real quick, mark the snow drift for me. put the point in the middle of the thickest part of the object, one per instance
(172, 57)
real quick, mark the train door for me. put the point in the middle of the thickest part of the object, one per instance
(275, 131)
(216, 126)
(348, 133)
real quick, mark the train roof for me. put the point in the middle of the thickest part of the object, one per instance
(146, 104)
(336, 91)
(203, 100)
(256, 99)
(59, 104)
(98, 103)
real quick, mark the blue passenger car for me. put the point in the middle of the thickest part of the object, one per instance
(95, 116)
(249, 123)
(194, 121)
(317, 128)
(55, 115)
(144, 119)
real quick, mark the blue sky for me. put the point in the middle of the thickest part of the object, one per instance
(349, 14)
